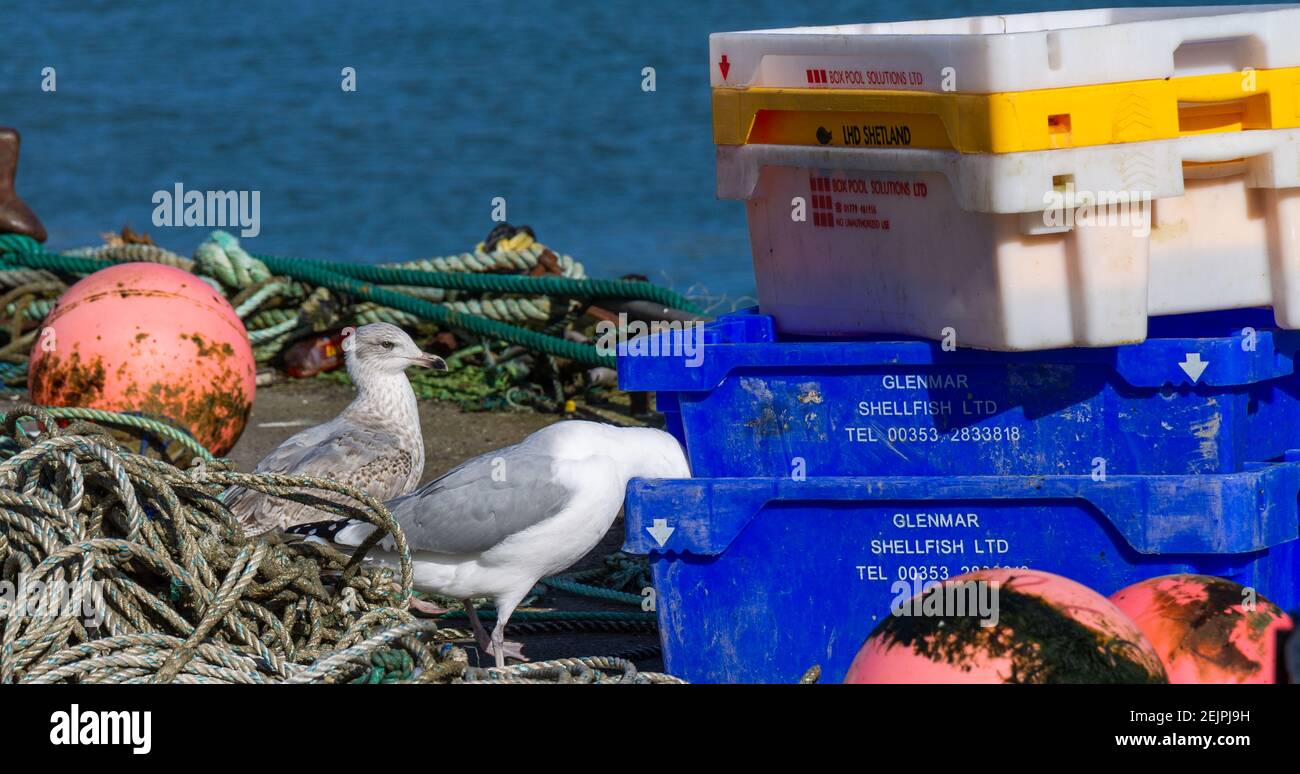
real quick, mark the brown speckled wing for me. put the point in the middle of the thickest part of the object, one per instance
(372, 460)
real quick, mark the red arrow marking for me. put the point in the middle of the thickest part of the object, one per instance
(724, 66)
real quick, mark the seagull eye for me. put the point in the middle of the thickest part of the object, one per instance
(387, 345)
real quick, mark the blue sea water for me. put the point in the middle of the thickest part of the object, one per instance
(456, 103)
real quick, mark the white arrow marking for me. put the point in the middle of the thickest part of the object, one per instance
(661, 531)
(1193, 366)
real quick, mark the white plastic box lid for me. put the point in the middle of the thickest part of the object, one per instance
(1021, 52)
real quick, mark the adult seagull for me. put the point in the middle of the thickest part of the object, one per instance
(504, 520)
(375, 444)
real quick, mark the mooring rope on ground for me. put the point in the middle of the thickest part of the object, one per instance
(135, 252)
(238, 271)
(440, 314)
(583, 625)
(145, 576)
(146, 424)
(502, 283)
(570, 670)
(504, 256)
(614, 616)
(566, 584)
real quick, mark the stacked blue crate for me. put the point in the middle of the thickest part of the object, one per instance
(833, 476)
(1208, 400)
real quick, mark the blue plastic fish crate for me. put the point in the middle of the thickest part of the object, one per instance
(1203, 394)
(758, 579)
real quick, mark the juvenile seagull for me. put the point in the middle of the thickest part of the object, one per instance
(497, 524)
(374, 444)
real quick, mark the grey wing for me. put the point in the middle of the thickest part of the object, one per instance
(366, 458)
(482, 502)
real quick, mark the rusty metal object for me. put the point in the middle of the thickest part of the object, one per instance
(15, 216)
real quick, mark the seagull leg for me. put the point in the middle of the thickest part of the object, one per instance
(500, 647)
(503, 648)
(427, 608)
(480, 634)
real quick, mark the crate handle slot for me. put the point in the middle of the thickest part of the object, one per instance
(1215, 55)
(1232, 115)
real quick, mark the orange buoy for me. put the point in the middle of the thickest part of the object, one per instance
(1006, 626)
(1206, 629)
(153, 339)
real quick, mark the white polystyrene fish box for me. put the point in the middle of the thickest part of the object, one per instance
(1021, 251)
(990, 54)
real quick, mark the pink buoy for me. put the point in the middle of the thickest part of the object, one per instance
(1006, 626)
(1206, 629)
(153, 339)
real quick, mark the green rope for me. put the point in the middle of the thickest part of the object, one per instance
(263, 335)
(312, 273)
(250, 304)
(501, 283)
(35, 310)
(132, 421)
(387, 666)
(569, 586)
(24, 251)
(222, 257)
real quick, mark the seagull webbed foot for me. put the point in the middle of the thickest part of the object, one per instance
(508, 649)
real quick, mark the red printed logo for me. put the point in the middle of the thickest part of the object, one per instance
(823, 206)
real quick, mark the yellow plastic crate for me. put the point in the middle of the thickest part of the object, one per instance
(1010, 122)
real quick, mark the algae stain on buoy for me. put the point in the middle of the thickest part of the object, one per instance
(1207, 629)
(149, 338)
(1044, 629)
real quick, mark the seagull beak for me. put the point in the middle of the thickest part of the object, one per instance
(430, 361)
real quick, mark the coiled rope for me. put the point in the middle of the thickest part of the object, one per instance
(133, 421)
(180, 595)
